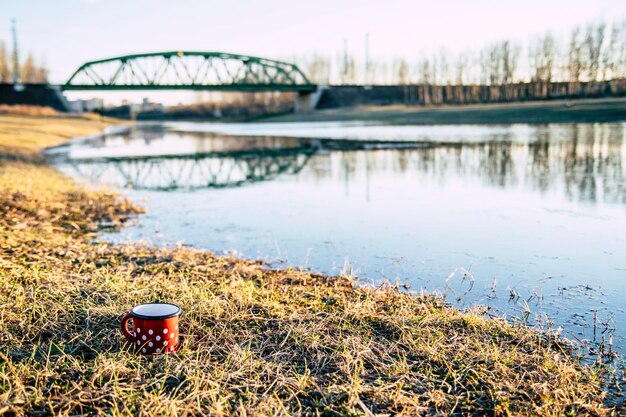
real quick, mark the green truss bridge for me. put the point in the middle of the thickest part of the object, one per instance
(187, 70)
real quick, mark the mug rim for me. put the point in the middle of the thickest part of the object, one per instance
(161, 317)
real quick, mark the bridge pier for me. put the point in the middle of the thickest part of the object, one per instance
(307, 101)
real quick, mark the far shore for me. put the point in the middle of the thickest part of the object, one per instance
(601, 110)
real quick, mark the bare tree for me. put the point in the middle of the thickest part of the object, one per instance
(400, 71)
(495, 65)
(614, 52)
(5, 72)
(443, 68)
(28, 70)
(348, 73)
(484, 63)
(620, 50)
(574, 61)
(593, 49)
(473, 72)
(461, 69)
(510, 56)
(375, 72)
(425, 71)
(608, 67)
(41, 73)
(541, 59)
(548, 53)
(318, 69)
(425, 77)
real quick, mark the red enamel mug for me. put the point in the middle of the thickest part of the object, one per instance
(155, 328)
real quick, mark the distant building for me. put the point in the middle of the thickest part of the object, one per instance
(87, 105)
(146, 106)
(146, 110)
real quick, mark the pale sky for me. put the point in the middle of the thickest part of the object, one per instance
(66, 33)
(69, 32)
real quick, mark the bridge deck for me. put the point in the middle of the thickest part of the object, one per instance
(304, 88)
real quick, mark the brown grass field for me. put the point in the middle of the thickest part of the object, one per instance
(258, 341)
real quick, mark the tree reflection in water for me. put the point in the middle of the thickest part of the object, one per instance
(583, 162)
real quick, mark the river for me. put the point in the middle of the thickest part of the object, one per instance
(529, 220)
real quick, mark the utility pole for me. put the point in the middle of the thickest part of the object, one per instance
(15, 57)
(367, 58)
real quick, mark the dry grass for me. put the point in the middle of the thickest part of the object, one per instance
(27, 110)
(23, 137)
(258, 341)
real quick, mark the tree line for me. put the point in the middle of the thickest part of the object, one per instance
(30, 71)
(234, 105)
(589, 61)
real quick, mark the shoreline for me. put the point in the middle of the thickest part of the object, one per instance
(600, 110)
(298, 342)
(588, 110)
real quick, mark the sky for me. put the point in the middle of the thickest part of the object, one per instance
(66, 33)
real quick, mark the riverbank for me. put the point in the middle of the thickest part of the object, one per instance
(537, 112)
(258, 341)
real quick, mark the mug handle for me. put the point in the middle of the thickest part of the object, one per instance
(124, 327)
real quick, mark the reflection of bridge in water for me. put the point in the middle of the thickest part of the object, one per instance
(153, 158)
(211, 170)
(586, 163)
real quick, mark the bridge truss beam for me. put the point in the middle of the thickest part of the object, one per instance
(184, 70)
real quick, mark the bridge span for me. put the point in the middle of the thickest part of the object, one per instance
(189, 70)
(193, 70)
